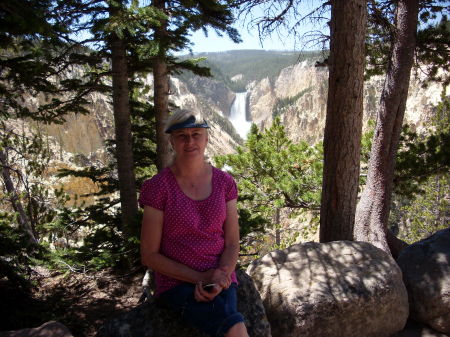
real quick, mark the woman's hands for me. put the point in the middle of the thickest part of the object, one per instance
(220, 277)
(202, 295)
(221, 280)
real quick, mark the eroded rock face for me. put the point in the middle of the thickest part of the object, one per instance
(331, 289)
(426, 273)
(306, 86)
(151, 320)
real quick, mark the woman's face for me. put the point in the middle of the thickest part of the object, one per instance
(189, 142)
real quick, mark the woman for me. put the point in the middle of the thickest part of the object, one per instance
(190, 232)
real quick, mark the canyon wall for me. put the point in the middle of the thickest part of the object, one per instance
(298, 95)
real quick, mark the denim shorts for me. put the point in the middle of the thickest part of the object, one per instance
(215, 317)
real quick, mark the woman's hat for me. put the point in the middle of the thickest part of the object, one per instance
(187, 124)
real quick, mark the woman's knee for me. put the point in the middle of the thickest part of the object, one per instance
(237, 330)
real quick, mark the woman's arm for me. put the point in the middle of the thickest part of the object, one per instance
(230, 254)
(151, 233)
(227, 263)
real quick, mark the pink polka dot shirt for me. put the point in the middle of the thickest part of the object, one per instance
(192, 229)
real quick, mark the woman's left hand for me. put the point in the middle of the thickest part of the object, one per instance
(202, 295)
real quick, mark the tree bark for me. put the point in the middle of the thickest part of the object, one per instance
(342, 138)
(124, 150)
(372, 215)
(24, 222)
(161, 90)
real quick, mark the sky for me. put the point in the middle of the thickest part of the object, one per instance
(284, 41)
(215, 43)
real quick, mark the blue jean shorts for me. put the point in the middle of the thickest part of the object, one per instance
(215, 317)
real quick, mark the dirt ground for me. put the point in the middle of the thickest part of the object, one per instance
(81, 301)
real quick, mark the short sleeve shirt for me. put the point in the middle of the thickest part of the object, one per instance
(193, 231)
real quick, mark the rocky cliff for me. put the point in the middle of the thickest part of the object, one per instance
(298, 94)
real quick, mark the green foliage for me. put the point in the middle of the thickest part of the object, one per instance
(425, 213)
(420, 200)
(179, 20)
(422, 156)
(28, 158)
(274, 173)
(433, 41)
(35, 61)
(15, 251)
(379, 36)
(366, 146)
(366, 141)
(420, 203)
(419, 156)
(105, 244)
(432, 38)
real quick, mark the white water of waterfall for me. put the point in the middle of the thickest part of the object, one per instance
(238, 115)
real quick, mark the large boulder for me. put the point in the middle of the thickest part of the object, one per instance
(331, 289)
(426, 273)
(152, 320)
(49, 329)
(415, 329)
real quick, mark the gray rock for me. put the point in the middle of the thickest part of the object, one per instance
(414, 329)
(331, 289)
(48, 329)
(426, 273)
(151, 320)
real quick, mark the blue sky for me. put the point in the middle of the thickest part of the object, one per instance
(283, 41)
(214, 43)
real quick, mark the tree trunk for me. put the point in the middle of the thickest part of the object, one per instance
(124, 150)
(24, 223)
(277, 230)
(373, 209)
(161, 90)
(342, 138)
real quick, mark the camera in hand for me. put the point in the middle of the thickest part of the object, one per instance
(209, 287)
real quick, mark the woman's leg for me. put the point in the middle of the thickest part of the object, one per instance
(237, 330)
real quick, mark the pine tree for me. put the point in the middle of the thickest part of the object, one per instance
(273, 173)
(343, 125)
(177, 20)
(33, 63)
(119, 31)
(373, 208)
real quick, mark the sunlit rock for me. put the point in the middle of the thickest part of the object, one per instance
(339, 288)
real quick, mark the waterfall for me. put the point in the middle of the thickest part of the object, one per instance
(238, 114)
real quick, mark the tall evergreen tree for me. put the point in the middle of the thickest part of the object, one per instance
(343, 126)
(373, 209)
(177, 20)
(432, 56)
(119, 32)
(33, 63)
(122, 121)
(272, 174)
(161, 85)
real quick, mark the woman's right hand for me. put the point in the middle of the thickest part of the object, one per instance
(203, 295)
(219, 277)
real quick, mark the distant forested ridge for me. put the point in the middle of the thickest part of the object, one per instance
(238, 68)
